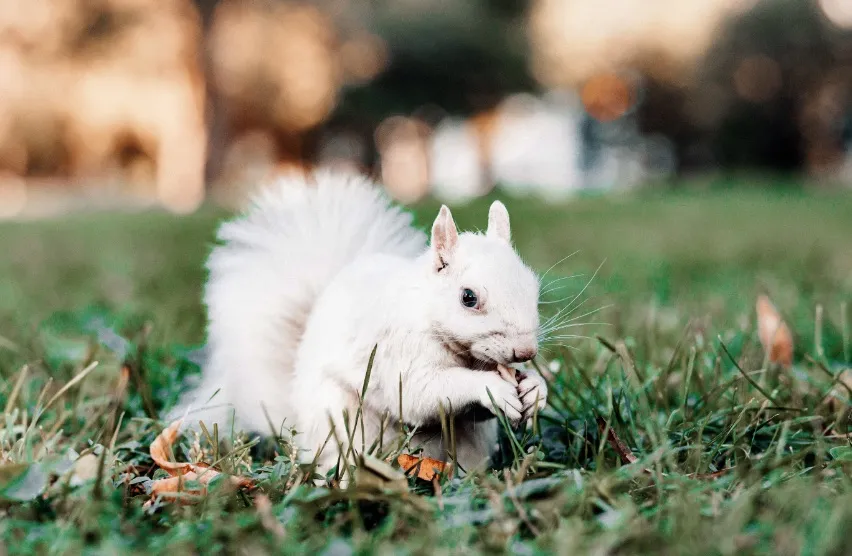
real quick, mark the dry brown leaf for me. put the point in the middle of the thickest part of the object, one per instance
(625, 453)
(427, 468)
(206, 474)
(175, 489)
(161, 446)
(775, 335)
(183, 472)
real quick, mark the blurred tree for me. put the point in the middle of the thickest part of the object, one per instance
(463, 57)
(764, 74)
(761, 129)
(758, 98)
(663, 109)
(215, 116)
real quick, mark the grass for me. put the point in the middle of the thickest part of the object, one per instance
(678, 375)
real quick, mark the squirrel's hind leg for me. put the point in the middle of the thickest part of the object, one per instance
(476, 442)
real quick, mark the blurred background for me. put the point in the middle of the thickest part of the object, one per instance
(174, 102)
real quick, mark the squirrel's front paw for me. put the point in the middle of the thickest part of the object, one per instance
(532, 390)
(505, 396)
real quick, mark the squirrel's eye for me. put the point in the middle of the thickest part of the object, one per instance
(469, 299)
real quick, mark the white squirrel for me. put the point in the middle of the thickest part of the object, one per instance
(314, 275)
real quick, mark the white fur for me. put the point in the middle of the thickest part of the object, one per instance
(306, 283)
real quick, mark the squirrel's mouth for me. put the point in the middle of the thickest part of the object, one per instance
(472, 361)
(471, 358)
(481, 365)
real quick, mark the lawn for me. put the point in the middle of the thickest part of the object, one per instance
(734, 455)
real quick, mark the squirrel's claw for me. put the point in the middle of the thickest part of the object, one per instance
(532, 390)
(505, 398)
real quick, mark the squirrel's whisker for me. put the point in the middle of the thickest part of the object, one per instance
(573, 325)
(589, 281)
(566, 311)
(557, 263)
(565, 322)
(551, 286)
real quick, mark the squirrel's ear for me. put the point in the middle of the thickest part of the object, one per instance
(444, 238)
(498, 222)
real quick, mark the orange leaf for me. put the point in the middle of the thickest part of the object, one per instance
(775, 335)
(175, 489)
(206, 474)
(428, 467)
(160, 450)
(183, 472)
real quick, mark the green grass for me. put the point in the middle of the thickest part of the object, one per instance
(679, 278)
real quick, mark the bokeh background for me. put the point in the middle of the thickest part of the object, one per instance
(173, 102)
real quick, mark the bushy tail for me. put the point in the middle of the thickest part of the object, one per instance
(264, 275)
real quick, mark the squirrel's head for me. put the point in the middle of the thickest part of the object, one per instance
(486, 307)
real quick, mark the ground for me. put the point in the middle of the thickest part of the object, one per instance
(734, 455)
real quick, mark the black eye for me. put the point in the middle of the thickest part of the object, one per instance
(469, 299)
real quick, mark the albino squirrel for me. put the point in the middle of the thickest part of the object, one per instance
(314, 275)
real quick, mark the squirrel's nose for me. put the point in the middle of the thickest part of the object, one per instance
(524, 353)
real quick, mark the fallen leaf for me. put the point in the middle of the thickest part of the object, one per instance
(427, 468)
(175, 486)
(775, 335)
(161, 446)
(206, 474)
(176, 489)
